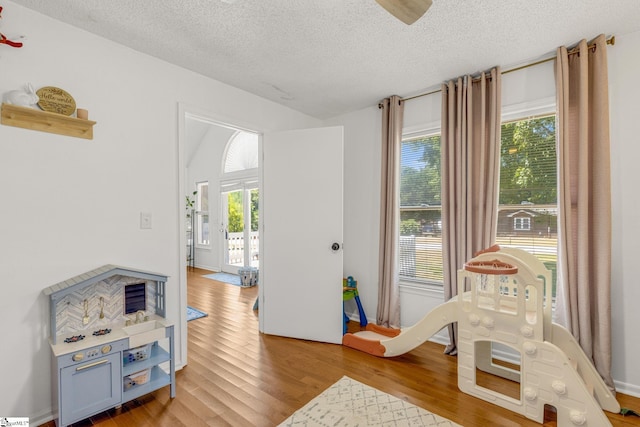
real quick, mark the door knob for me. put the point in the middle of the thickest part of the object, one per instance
(335, 246)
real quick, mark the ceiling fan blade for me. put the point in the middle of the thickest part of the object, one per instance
(408, 11)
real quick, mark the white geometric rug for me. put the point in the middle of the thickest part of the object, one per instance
(349, 403)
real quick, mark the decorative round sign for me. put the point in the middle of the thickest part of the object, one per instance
(56, 100)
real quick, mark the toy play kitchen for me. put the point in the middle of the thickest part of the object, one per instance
(110, 340)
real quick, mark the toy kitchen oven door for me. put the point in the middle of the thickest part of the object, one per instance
(91, 380)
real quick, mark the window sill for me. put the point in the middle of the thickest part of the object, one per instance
(422, 288)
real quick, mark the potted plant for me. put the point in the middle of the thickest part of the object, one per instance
(190, 203)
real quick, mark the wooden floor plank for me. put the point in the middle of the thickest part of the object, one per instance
(236, 376)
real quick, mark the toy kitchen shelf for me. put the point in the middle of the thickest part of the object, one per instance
(29, 118)
(142, 373)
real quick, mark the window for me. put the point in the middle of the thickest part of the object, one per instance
(242, 152)
(527, 210)
(522, 223)
(420, 210)
(202, 213)
(528, 201)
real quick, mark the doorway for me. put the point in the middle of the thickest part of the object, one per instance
(203, 153)
(220, 158)
(317, 156)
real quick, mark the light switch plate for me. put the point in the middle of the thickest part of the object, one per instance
(145, 220)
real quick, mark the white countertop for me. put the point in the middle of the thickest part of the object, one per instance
(117, 333)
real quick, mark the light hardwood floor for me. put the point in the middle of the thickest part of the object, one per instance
(236, 376)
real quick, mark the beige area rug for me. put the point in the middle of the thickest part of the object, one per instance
(349, 403)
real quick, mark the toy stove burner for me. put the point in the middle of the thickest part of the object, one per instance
(101, 332)
(74, 338)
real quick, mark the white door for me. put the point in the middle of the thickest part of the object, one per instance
(300, 265)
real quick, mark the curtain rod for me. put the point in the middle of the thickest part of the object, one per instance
(611, 41)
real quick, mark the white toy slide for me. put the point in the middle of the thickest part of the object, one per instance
(386, 342)
(506, 305)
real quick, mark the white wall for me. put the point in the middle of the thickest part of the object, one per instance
(362, 156)
(206, 165)
(531, 87)
(624, 67)
(70, 205)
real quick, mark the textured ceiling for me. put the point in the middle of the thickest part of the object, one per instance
(328, 57)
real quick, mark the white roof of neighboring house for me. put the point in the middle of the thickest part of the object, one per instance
(521, 212)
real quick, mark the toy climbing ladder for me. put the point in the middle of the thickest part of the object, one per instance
(506, 305)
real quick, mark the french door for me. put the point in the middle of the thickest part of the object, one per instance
(239, 226)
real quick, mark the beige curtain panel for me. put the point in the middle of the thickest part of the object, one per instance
(471, 119)
(388, 310)
(583, 302)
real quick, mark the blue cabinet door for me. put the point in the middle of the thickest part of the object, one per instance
(89, 388)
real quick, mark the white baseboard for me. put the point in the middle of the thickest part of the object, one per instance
(42, 418)
(355, 317)
(207, 267)
(629, 389)
(441, 338)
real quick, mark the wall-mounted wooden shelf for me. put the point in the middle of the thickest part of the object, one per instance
(29, 118)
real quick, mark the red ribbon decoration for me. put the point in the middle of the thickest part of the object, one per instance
(5, 40)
